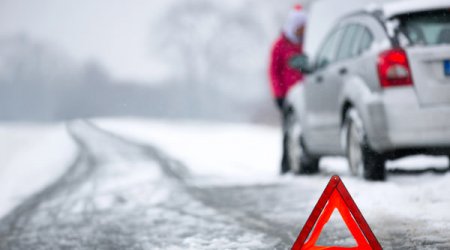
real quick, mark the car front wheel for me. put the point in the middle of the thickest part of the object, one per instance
(362, 159)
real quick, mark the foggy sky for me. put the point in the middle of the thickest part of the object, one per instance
(113, 32)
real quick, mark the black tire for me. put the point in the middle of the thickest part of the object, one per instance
(297, 158)
(363, 160)
(374, 165)
(308, 163)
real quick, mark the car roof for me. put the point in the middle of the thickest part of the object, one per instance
(396, 8)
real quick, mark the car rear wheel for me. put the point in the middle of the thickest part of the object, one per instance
(362, 159)
(299, 161)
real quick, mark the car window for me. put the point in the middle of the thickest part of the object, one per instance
(348, 42)
(365, 41)
(321, 59)
(359, 33)
(327, 52)
(426, 28)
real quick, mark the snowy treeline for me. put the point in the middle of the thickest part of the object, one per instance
(217, 53)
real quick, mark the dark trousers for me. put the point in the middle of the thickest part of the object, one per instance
(284, 112)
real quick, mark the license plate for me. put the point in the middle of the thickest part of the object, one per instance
(447, 67)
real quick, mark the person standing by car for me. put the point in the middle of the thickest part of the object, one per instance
(282, 74)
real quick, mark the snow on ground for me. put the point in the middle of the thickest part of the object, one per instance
(231, 152)
(250, 154)
(234, 156)
(31, 157)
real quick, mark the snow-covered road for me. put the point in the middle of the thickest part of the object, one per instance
(154, 185)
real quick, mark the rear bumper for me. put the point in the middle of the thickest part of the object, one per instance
(395, 121)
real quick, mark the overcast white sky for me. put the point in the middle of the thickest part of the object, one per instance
(112, 32)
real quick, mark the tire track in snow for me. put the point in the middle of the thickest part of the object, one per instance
(170, 166)
(16, 220)
(176, 169)
(19, 229)
(55, 200)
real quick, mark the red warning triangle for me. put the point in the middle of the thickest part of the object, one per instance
(336, 196)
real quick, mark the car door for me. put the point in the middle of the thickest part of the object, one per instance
(320, 94)
(342, 71)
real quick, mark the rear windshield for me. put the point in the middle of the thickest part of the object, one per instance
(426, 28)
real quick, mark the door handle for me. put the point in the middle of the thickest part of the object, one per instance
(343, 71)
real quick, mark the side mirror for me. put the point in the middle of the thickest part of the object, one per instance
(301, 63)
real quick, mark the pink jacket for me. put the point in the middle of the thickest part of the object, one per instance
(282, 76)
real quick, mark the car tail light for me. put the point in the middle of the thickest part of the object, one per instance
(393, 68)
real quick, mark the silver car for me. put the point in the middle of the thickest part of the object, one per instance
(377, 89)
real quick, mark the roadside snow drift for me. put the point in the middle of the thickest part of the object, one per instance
(32, 156)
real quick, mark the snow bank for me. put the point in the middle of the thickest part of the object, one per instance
(32, 156)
